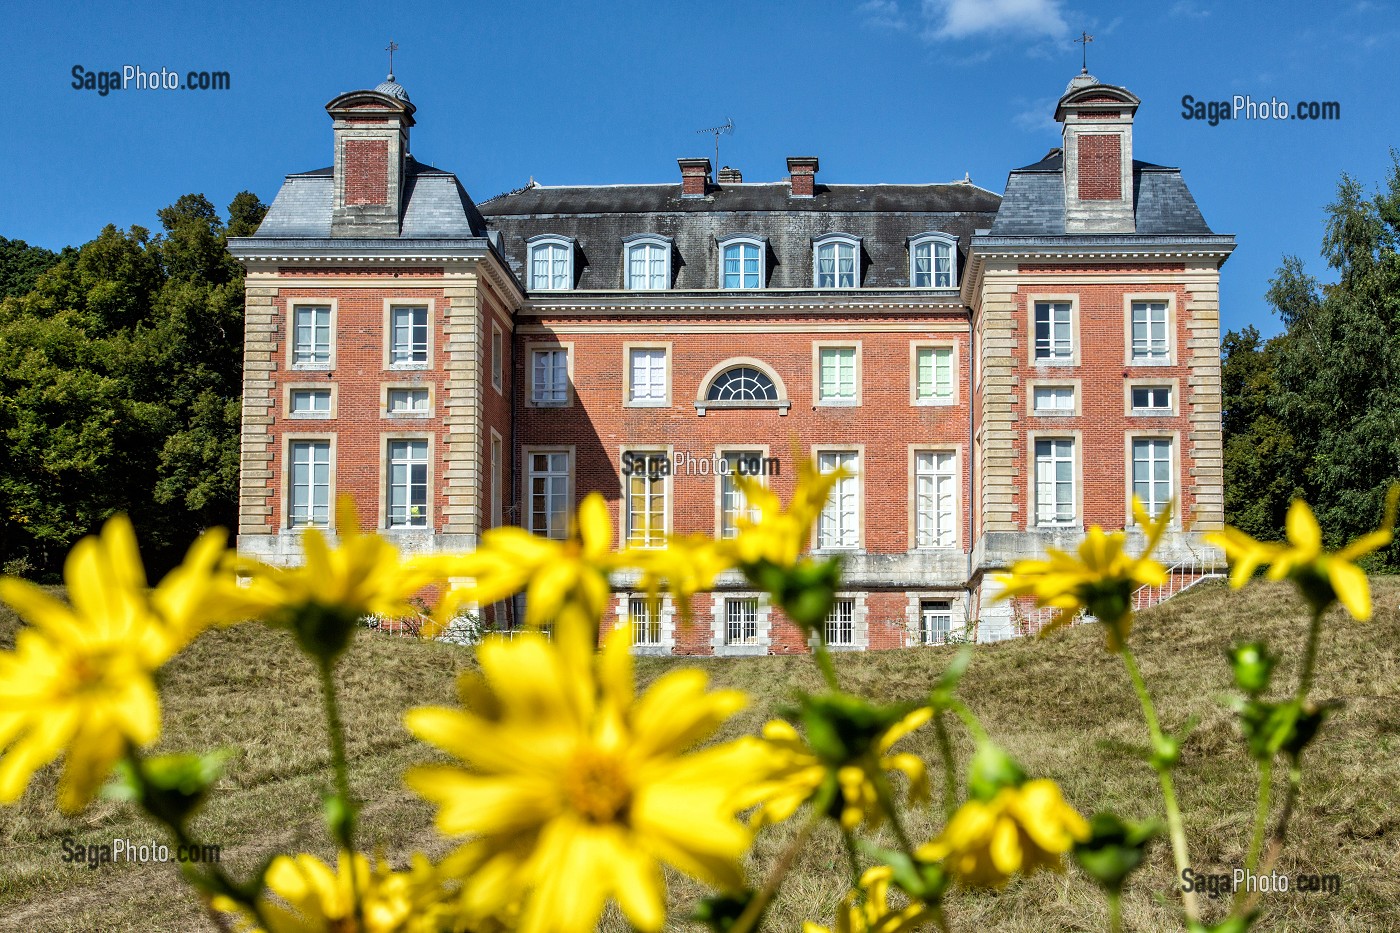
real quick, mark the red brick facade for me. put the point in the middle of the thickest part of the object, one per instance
(1100, 168)
(911, 278)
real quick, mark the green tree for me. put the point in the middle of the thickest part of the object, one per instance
(1338, 368)
(1261, 459)
(120, 381)
(20, 266)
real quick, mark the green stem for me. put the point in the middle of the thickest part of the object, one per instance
(974, 725)
(1261, 814)
(345, 827)
(211, 872)
(748, 920)
(825, 664)
(1175, 830)
(950, 771)
(1305, 678)
(885, 794)
(852, 857)
(1276, 839)
(1115, 911)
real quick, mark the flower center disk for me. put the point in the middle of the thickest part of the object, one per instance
(596, 786)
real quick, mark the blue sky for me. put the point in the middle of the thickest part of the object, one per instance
(599, 92)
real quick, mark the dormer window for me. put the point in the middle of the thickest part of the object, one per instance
(932, 261)
(647, 262)
(836, 261)
(742, 262)
(551, 263)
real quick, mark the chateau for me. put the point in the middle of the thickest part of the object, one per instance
(998, 373)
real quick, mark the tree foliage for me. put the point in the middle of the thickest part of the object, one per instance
(1316, 411)
(120, 380)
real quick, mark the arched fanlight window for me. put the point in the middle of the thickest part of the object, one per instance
(551, 265)
(742, 384)
(646, 262)
(836, 261)
(933, 261)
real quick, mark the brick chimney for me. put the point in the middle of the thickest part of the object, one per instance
(1098, 156)
(730, 176)
(802, 172)
(371, 147)
(695, 177)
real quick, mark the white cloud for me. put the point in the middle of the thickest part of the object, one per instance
(1038, 117)
(961, 19)
(883, 14)
(1188, 9)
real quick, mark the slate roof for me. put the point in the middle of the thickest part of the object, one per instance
(599, 217)
(1034, 203)
(436, 206)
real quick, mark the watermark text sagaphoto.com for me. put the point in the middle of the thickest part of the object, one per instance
(1224, 884)
(1244, 107)
(96, 854)
(134, 77)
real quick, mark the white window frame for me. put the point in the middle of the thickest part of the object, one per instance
(741, 621)
(820, 349)
(408, 519)
(760, 244)
(839, 529)
(415, 354)
(645, 619)
(315, 356)
(1130, 455)
(917, 349)
(326, 389)
(836, 244)
(652, 399)
(314, 514)
(1061, 349)
(939, 246)
(933, 483)
(840, 627)
(652, 538)
(1058, 387)
(556, 279)
(727, 490)
(719, 624)
(553, 400)
(497, 454)
(387, 402)
(1173, 387)
(652, 244)
(1057, 455)
(559, 482)
(1152, 352)
(658, 623)
(927, 608)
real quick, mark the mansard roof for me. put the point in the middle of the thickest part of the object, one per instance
(601, 217)
(435, 205)
(1034, 203)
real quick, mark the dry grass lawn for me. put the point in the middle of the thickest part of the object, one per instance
(1063, 706)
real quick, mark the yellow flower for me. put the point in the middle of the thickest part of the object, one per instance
(565, 582)
(1322, 576)
(868, 910)
(576, 792)
(688, 565)
(364, 575)
(1099, 581)
(794, 773)
(1022, 829)
(79, 680)
(311, 898)
(779, 536)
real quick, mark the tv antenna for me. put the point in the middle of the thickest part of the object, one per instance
(724, 129)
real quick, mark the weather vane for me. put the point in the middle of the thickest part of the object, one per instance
(1084, 40)
(391, 48)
